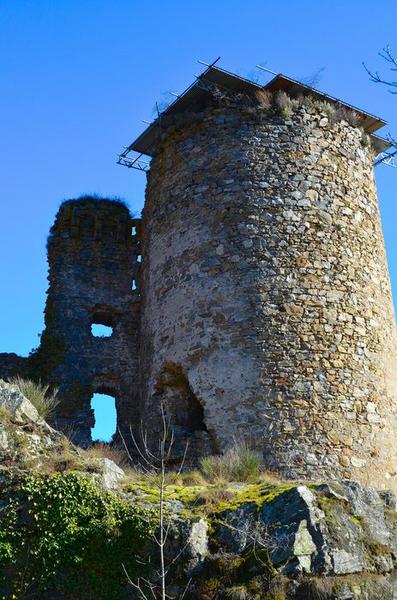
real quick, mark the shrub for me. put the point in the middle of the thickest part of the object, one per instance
(240, 463)
(39, 394)
(64, 537)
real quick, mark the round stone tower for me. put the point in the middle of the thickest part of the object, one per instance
(267, 312)
(92, 255)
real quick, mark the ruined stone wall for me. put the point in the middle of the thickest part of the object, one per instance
(92, 257)
(267, 310)
(12, 365)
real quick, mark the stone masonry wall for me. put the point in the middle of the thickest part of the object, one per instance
(12, 365)
(92, 256)
(267, 310)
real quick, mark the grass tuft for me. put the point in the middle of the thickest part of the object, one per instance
(39, 394)
(237, 592)
(239, 463)
(115, 453)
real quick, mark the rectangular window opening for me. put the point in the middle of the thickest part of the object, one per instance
(100, 330)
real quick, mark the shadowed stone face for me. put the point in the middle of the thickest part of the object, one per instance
(91, 256)
(265, 283)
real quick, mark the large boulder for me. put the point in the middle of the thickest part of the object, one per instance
(329, 530)
(19, 407)
(24, 435)
(111, 474)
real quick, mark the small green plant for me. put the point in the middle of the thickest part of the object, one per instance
(365, 140)
(237, 592)
(39, 394)
(239, 463)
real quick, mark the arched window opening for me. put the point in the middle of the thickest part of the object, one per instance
(133, 230)
(134, 285)
(138, 258)
(105, 415)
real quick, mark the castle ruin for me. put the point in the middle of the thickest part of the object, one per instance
(253, 299)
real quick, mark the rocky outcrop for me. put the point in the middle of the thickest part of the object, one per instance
(269, 540)
(28, 442)
(336, 541)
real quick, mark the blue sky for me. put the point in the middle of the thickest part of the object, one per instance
(78, 77)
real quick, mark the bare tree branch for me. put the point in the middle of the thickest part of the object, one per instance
(158, 464)
(374, 76)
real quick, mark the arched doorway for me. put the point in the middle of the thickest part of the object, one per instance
(103, 403)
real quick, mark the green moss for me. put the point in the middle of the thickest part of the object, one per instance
(5, 415)
(333, 508)
(378, 549)
(61, 534)
(237, 592)
(205, 499)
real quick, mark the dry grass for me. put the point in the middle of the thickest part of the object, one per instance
(191, 478)
(39, 394)
(283, 104)
(264, 98)
(346, 114)
(115, 453)
(240, 463)
(5, 415)
(319, 588)
(64, 457)
(214, 495)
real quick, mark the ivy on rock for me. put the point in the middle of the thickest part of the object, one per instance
(64, 536)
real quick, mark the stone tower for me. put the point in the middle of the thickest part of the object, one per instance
(93, 250)
(266, 304)
(262, 308)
